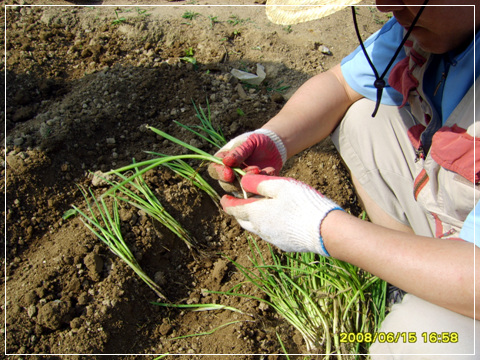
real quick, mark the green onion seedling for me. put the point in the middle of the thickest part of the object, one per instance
(143, 198)
(106, 226)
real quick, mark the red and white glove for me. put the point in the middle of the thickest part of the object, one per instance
(289, 214)
(260, 151)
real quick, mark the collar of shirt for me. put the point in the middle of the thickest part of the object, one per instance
(450, 76)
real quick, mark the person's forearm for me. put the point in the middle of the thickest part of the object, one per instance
(314, 111)
(440, 271)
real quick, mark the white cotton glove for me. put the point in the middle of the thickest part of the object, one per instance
(289, 215)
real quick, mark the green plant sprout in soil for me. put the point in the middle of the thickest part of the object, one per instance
(119, 20)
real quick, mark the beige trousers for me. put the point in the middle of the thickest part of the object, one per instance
(435, 333)
(379, 154)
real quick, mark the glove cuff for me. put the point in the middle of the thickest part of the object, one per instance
(323, 249)
(276, 140)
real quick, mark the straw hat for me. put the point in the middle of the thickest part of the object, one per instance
(291, 12)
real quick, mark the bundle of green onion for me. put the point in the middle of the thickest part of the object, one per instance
(320, 297)
(105, 224)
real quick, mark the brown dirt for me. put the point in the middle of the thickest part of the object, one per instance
(79, 93)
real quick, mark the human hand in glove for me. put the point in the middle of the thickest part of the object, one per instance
(289, 214)
(259, 152)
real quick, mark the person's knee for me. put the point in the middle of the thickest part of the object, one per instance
(358, 127)
(352, 124)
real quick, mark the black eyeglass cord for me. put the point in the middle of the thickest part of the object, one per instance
(379, 82)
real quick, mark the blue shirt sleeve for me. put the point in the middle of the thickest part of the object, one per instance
(381, 47)
(471, 227)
